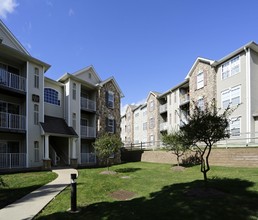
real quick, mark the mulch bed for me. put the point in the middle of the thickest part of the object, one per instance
(122, 195)
(108, 172)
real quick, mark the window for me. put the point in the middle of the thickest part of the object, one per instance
(231, 96)
(144, 126)
(51, 96)
(175, 97)
(36, 151)
(230, 68)
(74, 121)
(152, 106)
(110, 98)
(36, 78)
(235, 127)
(200, 80)
(36, 114)
(152, 123)
(200, 103)
(74, 91)
(110, 125)
(136, 115)
(152, 140)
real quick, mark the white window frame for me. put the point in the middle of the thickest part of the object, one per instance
(152, 106)
(36, 151)
(235, 123)
(74, 91)
(152, 123)
(36, 114)
(36, 77)
(200, 103)
(111, 99)
(230, 68)
(230, 96)
(200, 80)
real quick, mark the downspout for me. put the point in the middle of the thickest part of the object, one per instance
(27, 114)
(248, 95)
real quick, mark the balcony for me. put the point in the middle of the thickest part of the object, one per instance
(12, 160)
(13, 81)
(88, 105)
(163, 126)
(88, 132)
(12, 121)
(163, 108)
(184, 99)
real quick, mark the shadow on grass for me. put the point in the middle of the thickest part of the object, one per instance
(234, 201)
(127, 170)
(10, 195)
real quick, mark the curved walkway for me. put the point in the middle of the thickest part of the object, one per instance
(31, 204)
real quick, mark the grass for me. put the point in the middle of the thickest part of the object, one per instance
(20, 184)
(160, 193)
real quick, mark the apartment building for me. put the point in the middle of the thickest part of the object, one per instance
(230, 81)
(46, 122)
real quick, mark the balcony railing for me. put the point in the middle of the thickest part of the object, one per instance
(12, 121)
(87, 104)
(88, 158)
(12, 160)
(184, 99)
(163, 126)
(13, 81)
(88, 132)
(163, 108)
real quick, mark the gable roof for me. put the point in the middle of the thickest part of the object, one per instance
(79, 72)
(112, 79)
(156, 94)
(199, 59)
(14, 42)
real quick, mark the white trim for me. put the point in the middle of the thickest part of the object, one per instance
(27, 114)
(230, 95)
(248, 95)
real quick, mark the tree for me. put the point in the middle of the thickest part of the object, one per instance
(173, 142)
(206, 127)
(107, 146)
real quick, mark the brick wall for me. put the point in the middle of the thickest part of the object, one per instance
(237, 157)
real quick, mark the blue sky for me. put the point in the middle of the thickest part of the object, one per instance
(147, 45)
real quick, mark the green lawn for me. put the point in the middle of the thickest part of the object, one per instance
(20, 184)
(161, 193)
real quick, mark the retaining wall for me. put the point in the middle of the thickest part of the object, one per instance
(238, 157)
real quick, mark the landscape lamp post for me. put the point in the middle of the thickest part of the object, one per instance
(73, 192)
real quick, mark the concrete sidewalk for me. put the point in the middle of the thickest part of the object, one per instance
(31, 204)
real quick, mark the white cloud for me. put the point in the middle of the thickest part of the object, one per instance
(123, 107)
(7, 6)
(71, 12)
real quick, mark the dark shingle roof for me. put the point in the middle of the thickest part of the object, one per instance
(58, 126)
